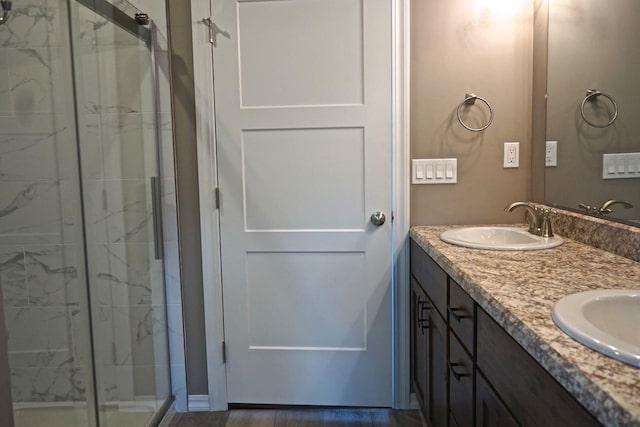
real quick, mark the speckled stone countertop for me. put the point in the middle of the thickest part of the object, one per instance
(518, 289)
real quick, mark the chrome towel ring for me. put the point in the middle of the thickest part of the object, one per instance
(592, 95)
(470, 99)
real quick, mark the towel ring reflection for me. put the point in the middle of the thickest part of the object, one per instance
(470, 99)
(592, 95)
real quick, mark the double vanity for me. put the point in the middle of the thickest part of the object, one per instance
(485, 347)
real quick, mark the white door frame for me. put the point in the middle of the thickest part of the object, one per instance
(209, 219)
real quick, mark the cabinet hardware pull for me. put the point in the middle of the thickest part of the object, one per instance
(423, 320)
(458, 317)
(456, 375)
(423, 306)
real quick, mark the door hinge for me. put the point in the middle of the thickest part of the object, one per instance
(224, 352)
(209, 23)
(216, 195)
(393, 216)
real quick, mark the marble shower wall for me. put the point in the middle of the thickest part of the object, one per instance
(41, 251)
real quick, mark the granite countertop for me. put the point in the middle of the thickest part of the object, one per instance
(518, 289)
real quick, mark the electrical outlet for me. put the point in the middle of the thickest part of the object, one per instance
(511, 154)
(551, 154)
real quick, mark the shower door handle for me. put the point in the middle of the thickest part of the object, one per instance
(156, 213)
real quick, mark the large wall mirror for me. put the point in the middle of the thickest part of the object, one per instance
(593, 107)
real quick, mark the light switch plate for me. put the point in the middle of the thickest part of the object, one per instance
(621, 166)
(434, 171)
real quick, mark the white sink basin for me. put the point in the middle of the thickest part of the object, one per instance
(605, 320)
(499, 239)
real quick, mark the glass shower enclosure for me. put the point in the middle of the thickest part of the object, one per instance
(85, 136)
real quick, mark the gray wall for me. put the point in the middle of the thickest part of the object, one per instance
(457, 47)
(187, 192)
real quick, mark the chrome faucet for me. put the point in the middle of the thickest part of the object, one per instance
(605, 208)
(539, 218)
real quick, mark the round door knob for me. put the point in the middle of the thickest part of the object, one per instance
(377, 218)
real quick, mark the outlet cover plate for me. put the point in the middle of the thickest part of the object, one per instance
(511, 154)
(551, 154)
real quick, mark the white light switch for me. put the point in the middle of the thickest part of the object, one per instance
(435, 171)
(429, 171)
(448, 172)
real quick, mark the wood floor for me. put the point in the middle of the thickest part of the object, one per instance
(299, 418)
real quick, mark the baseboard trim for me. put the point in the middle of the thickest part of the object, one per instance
(413, 402)
(198, 403)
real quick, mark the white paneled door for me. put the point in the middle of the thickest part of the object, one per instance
(303, 123)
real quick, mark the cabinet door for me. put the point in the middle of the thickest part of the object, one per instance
(461, 402)
(439, 412)
(490, 411)
(462, 317)
(419, 344)
(528, 390)
(431, 277)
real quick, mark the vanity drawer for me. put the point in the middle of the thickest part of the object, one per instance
(460, 383)
(430, 276)
(462, 315)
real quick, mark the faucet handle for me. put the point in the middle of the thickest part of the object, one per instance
(545, 222)
(588, 208)
(534, 218)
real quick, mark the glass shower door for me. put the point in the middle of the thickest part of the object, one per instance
(42, 257)
(118, 131)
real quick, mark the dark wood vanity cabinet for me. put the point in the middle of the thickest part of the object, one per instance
(461, 377)
(490, 410)
(419, 344)
(429, 368)
(467, 371)
(528, 390)
(439, 413)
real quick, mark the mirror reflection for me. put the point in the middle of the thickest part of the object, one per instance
(593, 108)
